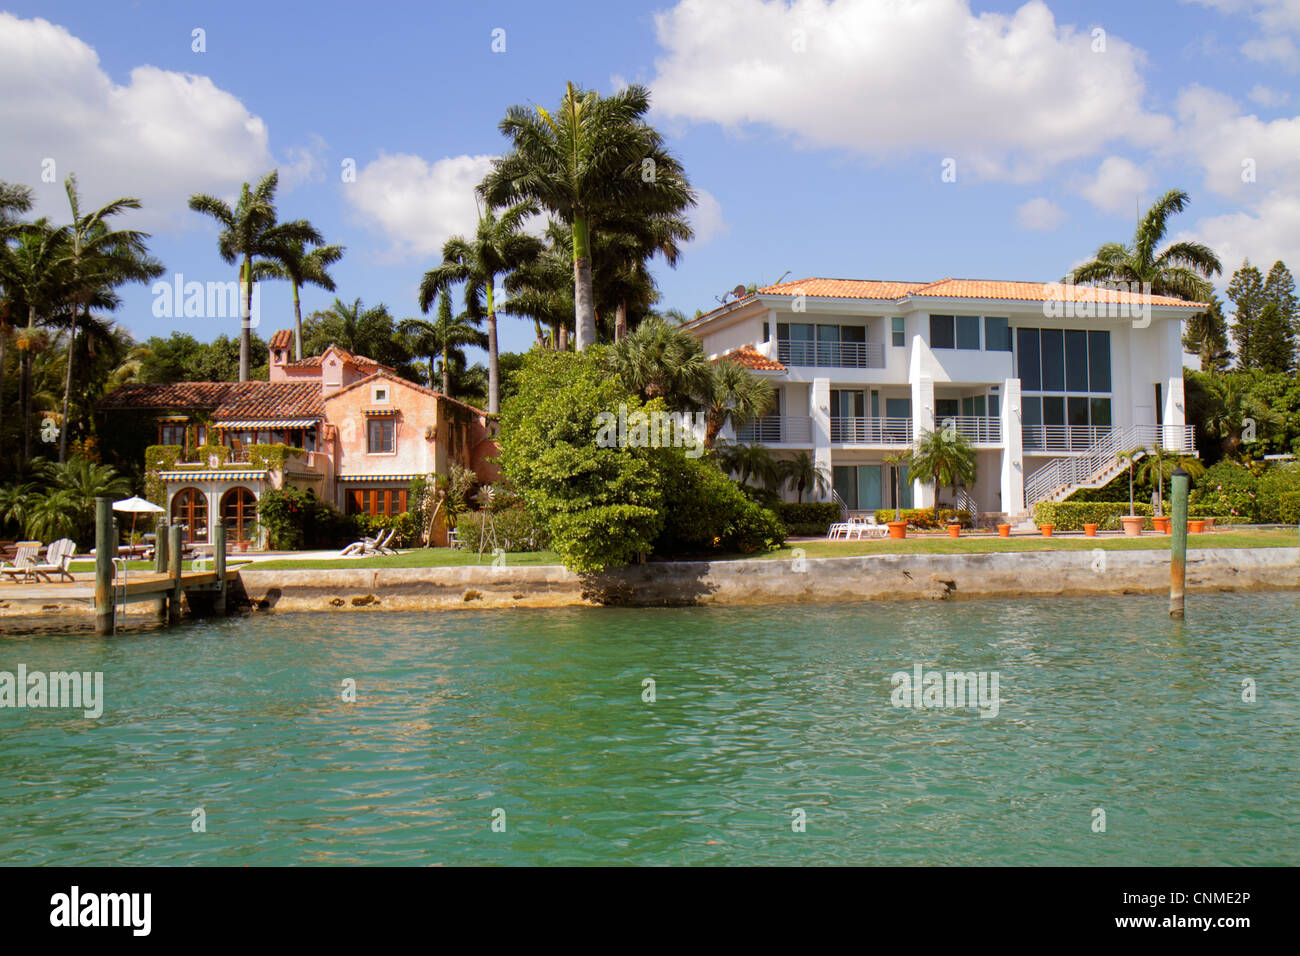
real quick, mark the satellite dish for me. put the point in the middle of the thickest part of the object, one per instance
(738, 292)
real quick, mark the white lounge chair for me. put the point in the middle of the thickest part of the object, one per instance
(382, 545)
(23, 562)
(377, 545)
(57, 558)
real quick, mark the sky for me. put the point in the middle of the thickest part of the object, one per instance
(873, 139)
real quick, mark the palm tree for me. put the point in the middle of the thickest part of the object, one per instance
(591, 160)
(300, 267)
(898, 461)
(1233, 405)
(632, 241)
(732, 393)
(97, 259)
(1181, 269)
(1129, 457)
(802, 472)
(947, 457)
(1159, 465)
(542, 289)
(249, 233)
(659, 360)
(749, 461)
(13, 199)
(359, 330)
(499, 247)
(446, 336)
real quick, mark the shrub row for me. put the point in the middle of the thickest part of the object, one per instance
(1073, 515)
(511, 529)
(923, 519)
(809, 518)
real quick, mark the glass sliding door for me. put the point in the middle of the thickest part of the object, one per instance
(870, 485)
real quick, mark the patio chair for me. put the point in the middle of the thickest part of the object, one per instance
(57, 558)
(377, 545)
(838, 530)
(23, 562)
(382, 545)
(364, 546)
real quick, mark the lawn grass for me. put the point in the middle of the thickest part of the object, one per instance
(984, 544)
(418, 558)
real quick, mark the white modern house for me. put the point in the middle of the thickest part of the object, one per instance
(1049, 381)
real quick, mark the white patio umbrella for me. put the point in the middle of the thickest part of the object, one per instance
(136, 505)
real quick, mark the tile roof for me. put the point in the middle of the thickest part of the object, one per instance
(386, 373)
(752, 358)
(843, 288)
(282, 339)
(171, 395)
(226, 400)
(1040, 292)
(312, 361)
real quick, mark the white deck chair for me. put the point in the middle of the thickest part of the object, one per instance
(838, 530)
(23, 562)
(364, 546)
(382, 545)
(57, 558)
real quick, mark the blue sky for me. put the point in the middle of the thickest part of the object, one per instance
(816, 131)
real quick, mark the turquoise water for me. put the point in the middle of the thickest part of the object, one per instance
(758, 712)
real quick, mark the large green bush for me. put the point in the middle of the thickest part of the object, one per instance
(923, 519)
(705, 511)
(809, 518)
(295, 518)
(1073, 515)
(516, 529)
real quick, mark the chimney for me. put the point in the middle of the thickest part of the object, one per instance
(281, 353)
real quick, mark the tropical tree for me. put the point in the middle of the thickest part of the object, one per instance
(300, 266)
(446, 336)
(250, 232)
(947, 457)
(630, 244)
(1236, 414)
(802, 473)
(1207, 337)
(542, 289)
(1129, 457)
(499, 247)
(898, 461)
(731, 393)
(659, 360)
(362, 331)
(14, 199)
(594, 159)
(1159, 464)
(746, 461)
(1181, 269)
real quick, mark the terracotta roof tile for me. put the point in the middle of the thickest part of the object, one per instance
(177, 395)
(1039, 292)
(752, 358)
(268, 400)
(843, 288)
(282, 339)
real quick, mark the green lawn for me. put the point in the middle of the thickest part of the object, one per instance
(987, 543)
(419, 558)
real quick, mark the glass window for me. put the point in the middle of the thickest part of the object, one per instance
(947, 408)
(1053, 360)
(794, 342)
(1078, 409)
(968, 332)
(997, 334)
(845, 481)
(1027, 363)
(1076, 361)
(1099, 361)
(995, 405)
(1101, 412)
(765, 332)
(898, 408)
(942, 332)
(1053, 410)
(381, 435)
(1031, 410)
(898, 331)
(853, 333)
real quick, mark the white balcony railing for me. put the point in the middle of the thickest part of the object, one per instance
(871, 431)
(777, 430)
(1101, 461)
(976, 429)
(1056, 438)
(831, 354)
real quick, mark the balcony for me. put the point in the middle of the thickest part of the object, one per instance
(976, 429)
(831, 354)
(1062, 438)
(777, 430)
(871, 431)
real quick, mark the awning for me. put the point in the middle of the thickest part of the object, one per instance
(283, 423)
(384, 478)
(173, 418)
(379, 412)
(213, 475)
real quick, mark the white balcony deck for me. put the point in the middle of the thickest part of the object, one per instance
(871, 431)
(831, 354)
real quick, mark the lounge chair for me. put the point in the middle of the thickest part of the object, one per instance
(23, 562)
(377, 545)
(57, 558)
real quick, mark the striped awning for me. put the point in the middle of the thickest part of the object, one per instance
(387, 478)
(270, 423)
(379, 411)
(213, 475)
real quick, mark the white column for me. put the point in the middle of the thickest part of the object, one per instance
(1013, 454)
(819, 409)
(1175, 415)
(922, 421)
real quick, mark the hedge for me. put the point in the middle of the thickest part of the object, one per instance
(516, 530)
(808, 518)
(1073, 515)
(923, 518)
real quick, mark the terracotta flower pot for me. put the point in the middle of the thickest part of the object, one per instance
(1090, 530)
(897, 529)
(954, 531)
(1047, 529)
(1132, 525)
(1196, 527)
(1004, 531)
(1161, 524)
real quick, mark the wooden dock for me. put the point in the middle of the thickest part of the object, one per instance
(140, 586)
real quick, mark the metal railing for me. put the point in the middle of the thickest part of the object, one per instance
(1063, 437)
(977, 429)
(871, 431)
(776, 430)
(831, 354)
(1102, 458)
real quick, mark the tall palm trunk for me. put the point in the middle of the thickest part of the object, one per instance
(67, 388)
(494, 371)
(297, 325)
(620, 321)
(583, 296)
(4, 342)
(246, 319)
(446, 372)
(27, 384)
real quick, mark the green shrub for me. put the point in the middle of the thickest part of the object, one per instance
(1073, 515)
(707, 511)
(294, 518)
(808, 518)
(517, 529)
(1229, 489)
(923, 519)
(407, 524)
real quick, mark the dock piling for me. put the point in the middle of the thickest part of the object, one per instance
(219, 565)
(105, 549)
(1178, 546)
(160, 565)
(174, 571)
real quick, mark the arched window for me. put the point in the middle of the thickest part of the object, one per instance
(239, 512)
(190, 510)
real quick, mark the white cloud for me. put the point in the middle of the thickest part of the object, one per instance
(1006, 96)
(160, 137)
(1227, 144)
(1117, 185)
(1268, 233)
(707, 219)
(418, 205)
(1267, 96)
(1275, 19)
(1040, 214)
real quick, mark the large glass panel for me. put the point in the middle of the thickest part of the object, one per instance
(898, 408)
(875, 404)
(1076, 360)
(942, 332)
(997, 334)
(870, 497)
(1053, 360)
(968, 332)
(1028, 367)
(1078, 410)
(1031, 410)
(846, 485)
(828, 345)
(968, 405)
(995, 405)
(947, 408)
(1099, 361)
(1053, 410)
(795, 341)
(1101, 412)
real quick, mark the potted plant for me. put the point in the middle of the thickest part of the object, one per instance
(1089, 530)
(1132, 522)
(1047, 529)
(1004, 531)
(900, 460)
(954, 528)
(947, 458)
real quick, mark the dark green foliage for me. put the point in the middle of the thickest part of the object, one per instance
(810, 517)
(705, 511)
(295, 518)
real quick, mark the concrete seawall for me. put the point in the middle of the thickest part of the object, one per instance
(880, 577)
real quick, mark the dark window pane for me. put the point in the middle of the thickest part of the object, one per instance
(899, 331)
(947, 408)
(898, 408)
(995, 406)
(1031, 410)
(1027, 367)
(1078, 408)
(1076, 361)
(1053, 410)
(942, 332)
(845, 480)
(1099, 361)
(968, 332)
(997, 334)
(853, 333)
(1101, 412)
(1053, 360)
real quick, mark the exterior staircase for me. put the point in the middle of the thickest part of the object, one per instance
(1100, 463)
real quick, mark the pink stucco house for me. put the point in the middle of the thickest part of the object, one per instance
(357, 434)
